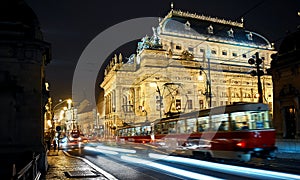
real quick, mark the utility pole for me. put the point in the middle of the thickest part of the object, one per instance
(158, 90)
(258, 72)
(208, 82)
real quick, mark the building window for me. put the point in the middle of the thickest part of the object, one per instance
(244, 55)
(159, 103)
(249, 36)
(191, 49)
(214, 103)
(210, 29)
(224, 94)
(201, 106)
(190, 104)
(230, 33)
(213, 51)
(187, 25)
(201, 50)
(224, 53)
(178, 47)
(234, 54)
(178, 104)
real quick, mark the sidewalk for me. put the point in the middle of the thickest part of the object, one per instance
(62, 165)
(288, 148)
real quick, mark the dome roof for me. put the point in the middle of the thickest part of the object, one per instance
(17, 20)
(290, 44)
(289, 51)
(221, 30)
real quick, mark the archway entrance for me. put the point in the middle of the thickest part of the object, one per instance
(289, 122)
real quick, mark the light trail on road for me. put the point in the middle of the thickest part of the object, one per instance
(224, 168)
(238, 171)
(181, 172)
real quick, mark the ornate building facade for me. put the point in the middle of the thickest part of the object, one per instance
(285, 70)
(191, 62)
(23, 57)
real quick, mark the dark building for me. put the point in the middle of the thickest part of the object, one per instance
(285, 70)
(23, 56)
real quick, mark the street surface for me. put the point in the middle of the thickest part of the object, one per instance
(139, 161)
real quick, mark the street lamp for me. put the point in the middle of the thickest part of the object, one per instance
(208, 85)
(69, 101)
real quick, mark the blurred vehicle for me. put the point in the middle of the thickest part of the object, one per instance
(76, 139)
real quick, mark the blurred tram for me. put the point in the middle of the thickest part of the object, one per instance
(238, 131)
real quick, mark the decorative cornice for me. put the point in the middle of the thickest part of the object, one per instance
(202, 17)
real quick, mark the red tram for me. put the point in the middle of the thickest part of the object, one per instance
(238, 131)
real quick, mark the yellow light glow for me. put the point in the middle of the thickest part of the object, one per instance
(152, 84)
(49, 123)
(200, 78)
(61, 115)
(69, 101)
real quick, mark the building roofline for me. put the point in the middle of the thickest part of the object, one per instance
(180, 13)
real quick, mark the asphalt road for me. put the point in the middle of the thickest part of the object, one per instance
(139, 162)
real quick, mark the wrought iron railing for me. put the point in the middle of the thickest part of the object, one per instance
(30, 171)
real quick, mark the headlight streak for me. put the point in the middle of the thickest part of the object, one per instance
(242, 171)
(116, 149)
(172, 170)
(100, 150)
(109, 150)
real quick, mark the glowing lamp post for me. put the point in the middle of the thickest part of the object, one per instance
(69, 101)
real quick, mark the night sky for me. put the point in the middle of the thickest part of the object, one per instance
(70, 25)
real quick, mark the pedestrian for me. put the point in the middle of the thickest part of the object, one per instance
(48, 141)
(54, 144)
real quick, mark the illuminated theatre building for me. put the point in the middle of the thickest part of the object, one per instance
(174, 70)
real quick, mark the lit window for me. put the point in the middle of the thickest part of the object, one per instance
(201, 104)
(178, 104)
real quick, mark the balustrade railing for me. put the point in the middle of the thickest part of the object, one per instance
(30, 171)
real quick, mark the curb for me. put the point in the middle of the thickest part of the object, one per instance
(99, 170)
